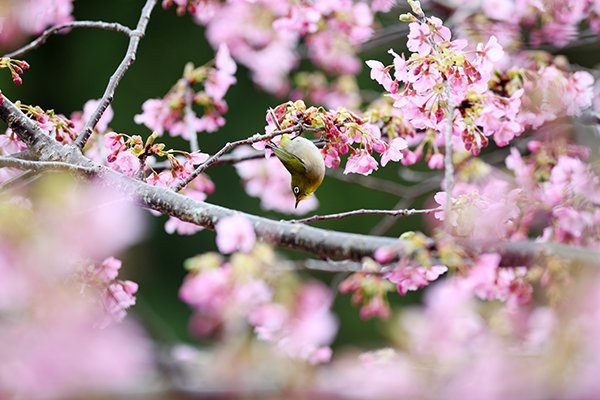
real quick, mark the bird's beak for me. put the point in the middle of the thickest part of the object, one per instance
(297, 201)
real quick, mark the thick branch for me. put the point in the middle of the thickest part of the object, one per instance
(115, 79)
(37, 166)
(323, 243)
(392, 213)
(109, 26)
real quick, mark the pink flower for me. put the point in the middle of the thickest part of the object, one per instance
(207, 291)
(361, 162)
(153, 115)
(572, 223)
(235, 233)
(375, 307)
(10, 143)
(385, 254)
(408, 278)
(381, 75)
(113, 141)
(490, 53)
(393, 151)
(217, 84)
(175, 225)
(224, 62)
(400, 70)
(442, 33)
(118, 297)
(382, 5)
(487, 281)
(306, 331)
(418, 38)
(268, 320)
(125, 162)
(436, 161)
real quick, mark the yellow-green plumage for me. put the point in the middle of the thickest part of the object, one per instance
(304, 162)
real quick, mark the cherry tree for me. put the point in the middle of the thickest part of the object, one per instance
(477, 99)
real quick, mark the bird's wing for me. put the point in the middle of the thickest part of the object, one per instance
(290, 161)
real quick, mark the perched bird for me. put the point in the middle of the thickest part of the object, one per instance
(304, 162)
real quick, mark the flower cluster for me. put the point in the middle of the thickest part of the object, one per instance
(10, 144)
(174, 114)
(551, 90)
(370, 292)
(55, 125)
(117, 295)
(259, 32)
(316, 88)
(341, 130)
(457, 346)
(55, 306)
(235, 233)
(407, 267)
(442, 80)
(244, 292)
(180, 168)
(16, 68)
(547, 22)
(562, 186)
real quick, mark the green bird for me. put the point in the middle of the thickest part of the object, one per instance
(304, 162)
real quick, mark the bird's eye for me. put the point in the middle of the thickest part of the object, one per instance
(296, 190)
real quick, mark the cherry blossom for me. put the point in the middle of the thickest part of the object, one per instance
(235, 233)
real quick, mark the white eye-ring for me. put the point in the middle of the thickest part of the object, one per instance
(296, 190)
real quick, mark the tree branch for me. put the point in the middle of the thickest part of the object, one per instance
(393, 213)
(36, 166)
(108, 26)
(326, 244)
(228, 146)
(134, 40)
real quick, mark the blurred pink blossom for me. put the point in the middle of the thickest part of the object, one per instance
(235, 233)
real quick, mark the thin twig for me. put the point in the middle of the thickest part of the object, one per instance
(230, 145)
(274, 118)
(134, 40)
(10, 162)
(388, 221)
(236, 158)
(363, 211)
(223, 160)
(108, 26)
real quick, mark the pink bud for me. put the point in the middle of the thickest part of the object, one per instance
(534, 146)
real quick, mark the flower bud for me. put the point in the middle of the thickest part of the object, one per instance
(415, 5)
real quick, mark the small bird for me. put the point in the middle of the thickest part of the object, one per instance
(304, 162)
